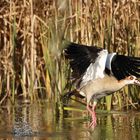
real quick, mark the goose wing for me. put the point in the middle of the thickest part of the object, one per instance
(123, 66)
(87, 62)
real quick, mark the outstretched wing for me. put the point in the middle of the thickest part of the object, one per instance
(123, 66)
(87, 62)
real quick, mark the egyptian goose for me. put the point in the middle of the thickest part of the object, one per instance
(98, 73)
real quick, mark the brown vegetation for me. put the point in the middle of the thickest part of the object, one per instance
(31, 33)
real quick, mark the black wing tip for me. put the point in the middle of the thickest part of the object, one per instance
(123, 66)
(80, 56)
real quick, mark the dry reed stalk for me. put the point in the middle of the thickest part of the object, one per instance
(71, 21)
(33, 53)
(31, 32)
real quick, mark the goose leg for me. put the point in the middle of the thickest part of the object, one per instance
(93, 115)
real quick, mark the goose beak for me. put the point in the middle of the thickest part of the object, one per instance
(137, 82)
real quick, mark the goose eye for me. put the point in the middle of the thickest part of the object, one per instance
(131, 77)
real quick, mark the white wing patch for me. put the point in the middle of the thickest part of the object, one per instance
(95, 70)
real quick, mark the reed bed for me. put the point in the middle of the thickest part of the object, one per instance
(32, 65)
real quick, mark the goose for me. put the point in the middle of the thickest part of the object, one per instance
(97, 73)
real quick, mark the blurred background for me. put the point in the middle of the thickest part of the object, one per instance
(32, 66)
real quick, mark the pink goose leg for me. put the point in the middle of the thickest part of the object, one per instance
(93, 115)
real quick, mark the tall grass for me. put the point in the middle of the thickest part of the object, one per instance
(31, 33)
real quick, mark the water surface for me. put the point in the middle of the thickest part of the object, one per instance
(40, 122)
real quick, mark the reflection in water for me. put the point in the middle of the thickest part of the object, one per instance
(21, 125)
(38, 122)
